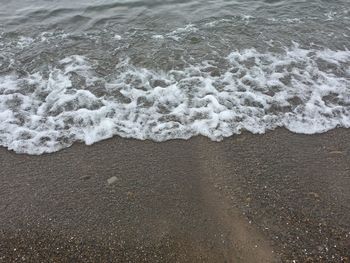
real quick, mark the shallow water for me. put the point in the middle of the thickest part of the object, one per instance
(89, 70)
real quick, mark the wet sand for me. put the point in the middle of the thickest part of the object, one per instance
(276, 197)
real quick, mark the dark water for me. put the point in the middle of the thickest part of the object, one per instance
(89, 70)
(218, 28)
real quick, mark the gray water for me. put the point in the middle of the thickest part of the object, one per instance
(89, 70)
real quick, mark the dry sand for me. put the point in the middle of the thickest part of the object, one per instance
(276, 197)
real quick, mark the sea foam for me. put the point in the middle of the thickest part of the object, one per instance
(303, 90)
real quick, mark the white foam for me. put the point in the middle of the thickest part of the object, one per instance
(117, 37)
(180, 32)
(158, 37)
(306, 91)
(24, 42)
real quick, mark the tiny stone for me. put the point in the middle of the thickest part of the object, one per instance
(336, 152)
(112, 180)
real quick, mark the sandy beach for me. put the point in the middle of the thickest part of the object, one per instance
(175, 131)
(276, 197)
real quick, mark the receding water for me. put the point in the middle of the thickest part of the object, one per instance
(88, 70)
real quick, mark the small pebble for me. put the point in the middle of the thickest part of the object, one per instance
(112, 180)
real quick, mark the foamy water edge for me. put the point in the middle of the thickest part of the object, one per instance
(304, 90)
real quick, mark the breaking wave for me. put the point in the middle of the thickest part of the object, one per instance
(303, 90)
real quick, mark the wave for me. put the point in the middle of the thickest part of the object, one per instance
(304, 90)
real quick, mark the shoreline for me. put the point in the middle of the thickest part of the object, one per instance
(248, 198)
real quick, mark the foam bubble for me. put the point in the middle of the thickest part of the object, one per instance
(117, 37)
(304, 90)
